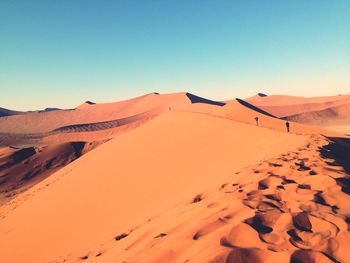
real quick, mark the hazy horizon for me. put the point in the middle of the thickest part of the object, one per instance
(64, 53)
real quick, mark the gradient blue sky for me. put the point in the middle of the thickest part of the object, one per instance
(61, 53)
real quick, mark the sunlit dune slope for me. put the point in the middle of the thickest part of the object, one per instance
(128, 180)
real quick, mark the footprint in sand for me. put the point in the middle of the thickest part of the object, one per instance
(197, 198)
(302, 166)
(121, 236)
(242, 235)
(207, 229)
(313, 172)
(270, 182)
(302, 222)
(161, 235)
(273, 220)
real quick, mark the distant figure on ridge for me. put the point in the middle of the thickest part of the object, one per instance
(257, 121)
(287, 125)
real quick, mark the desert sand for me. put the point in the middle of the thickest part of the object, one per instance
(186, 180)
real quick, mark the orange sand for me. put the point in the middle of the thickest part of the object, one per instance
(196, 182)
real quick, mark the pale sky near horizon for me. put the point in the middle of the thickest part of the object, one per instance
(61, 53)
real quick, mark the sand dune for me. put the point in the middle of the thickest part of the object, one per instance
(21, 177)
(89, 118)
(132, 178)
(282, 106)
(88, 132)
(182, 179)
(335, 118)
(293, 100)
(332, 113)
(242, 111)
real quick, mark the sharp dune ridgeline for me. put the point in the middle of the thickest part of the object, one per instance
(177, 178)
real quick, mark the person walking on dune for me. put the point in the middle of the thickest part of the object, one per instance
(287, 125)
(257, 121)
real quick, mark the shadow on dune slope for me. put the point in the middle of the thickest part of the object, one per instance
(17, 157)
(196, 99)
(339, 150)
(252, 107)
(6, 112)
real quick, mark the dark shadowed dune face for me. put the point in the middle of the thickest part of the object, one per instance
(16, 157)
(338, 149)
(51, 109)
(252, 107)
(196, 99)
(6, 112)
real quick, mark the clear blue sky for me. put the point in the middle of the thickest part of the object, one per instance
(60, 53)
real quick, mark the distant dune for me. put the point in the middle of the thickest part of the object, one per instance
(305, 103)
(242, 111)
(5, 112)
(328, 112)
(177, 178)
(58, 125)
